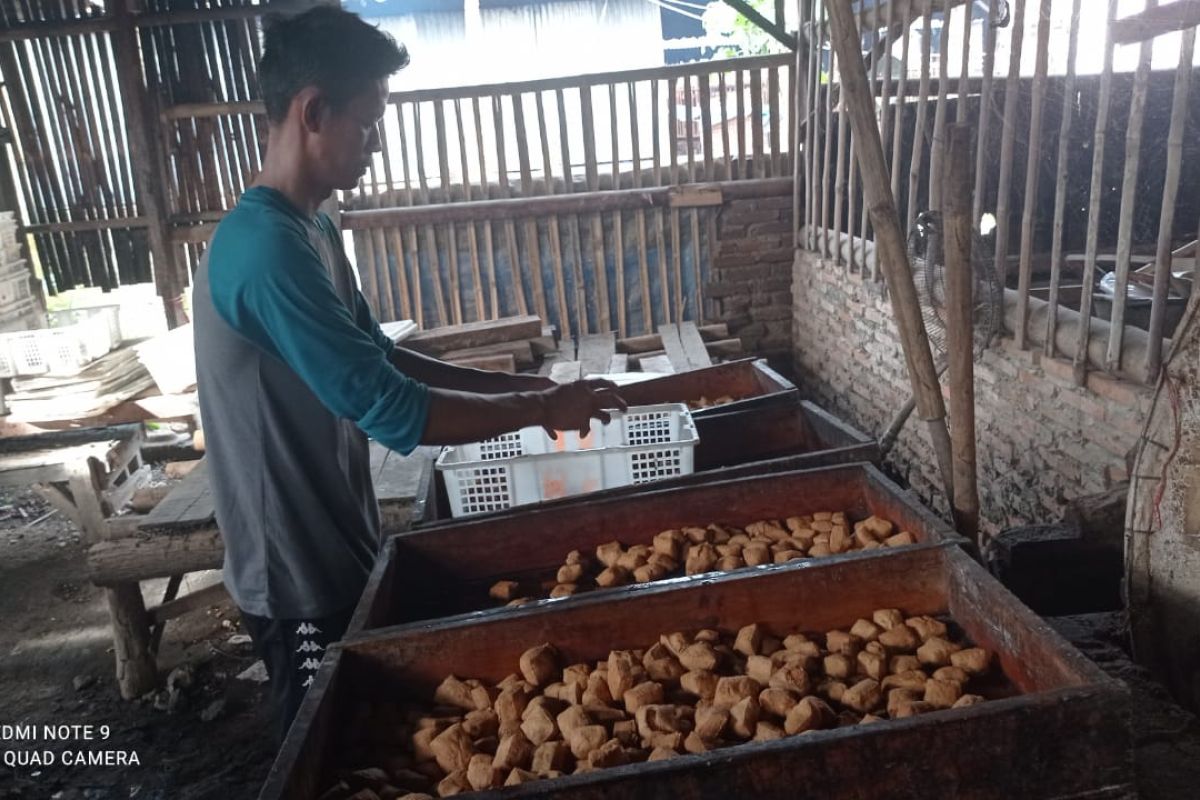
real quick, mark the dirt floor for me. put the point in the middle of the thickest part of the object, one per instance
(210, 737)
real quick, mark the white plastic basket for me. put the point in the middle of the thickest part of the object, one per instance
(645, 443)
(55, 351)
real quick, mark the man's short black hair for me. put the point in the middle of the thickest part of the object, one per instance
(325, 47)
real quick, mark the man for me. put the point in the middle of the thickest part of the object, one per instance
(294, 372)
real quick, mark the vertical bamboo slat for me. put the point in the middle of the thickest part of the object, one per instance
(664, 280)
(1133, 155)
(827, 158)
(1060, 182)
(1012, 94)
(510, 230)
(489, 253)
(532, 237)
(472, 233)
(443, 154)
(600, 268)
(1162, 258)
(985, 107)
(1095, 197)
(431, 245)
(706, 138)
(726, 169)
(938, 145)
(774, 117)
(618, 231)
(643, 258)
(756, 124)
(414, 252)
(901, 99)
(741, 122)
(964, 70)
(918, 144)
(839, 184)
(880, 106)
(1032, 173)
(556, 255)
(576, 234)
(690, 121)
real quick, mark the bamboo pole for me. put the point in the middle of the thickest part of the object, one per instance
(664, 279)
(689, 121)
(1162, 259)
(889, 239)
(726, 158)
(886, 116)
(985, 107)
(1133, 156)
(959, 231)
(146, 166)
(1061, 178)
(1012, 93)
(1032, 173)
(938, 146)
(772, 165)
(1095, 196)
(918, 144)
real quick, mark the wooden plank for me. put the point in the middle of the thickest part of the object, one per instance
(596, 352)
(519, 350)
(215, 594)
(188, 506)
(502, 362)
(693, 346)
(436, 341)
(659, 364)
(674, 347)
(138, 558)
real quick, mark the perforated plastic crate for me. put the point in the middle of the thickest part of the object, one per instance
(643, 444)
(56, 351)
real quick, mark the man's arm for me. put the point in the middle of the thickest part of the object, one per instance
(441, 375)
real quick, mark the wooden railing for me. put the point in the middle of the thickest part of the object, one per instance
(1029, 129)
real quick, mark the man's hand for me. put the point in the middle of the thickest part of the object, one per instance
(572, 406)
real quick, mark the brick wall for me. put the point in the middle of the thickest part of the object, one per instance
(751, 278)
(1042, 440)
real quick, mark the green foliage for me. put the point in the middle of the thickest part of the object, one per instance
(743, 36)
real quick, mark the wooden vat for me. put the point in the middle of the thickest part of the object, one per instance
(444, 570)
(750, 382)
(1056, 727)
(779, 437)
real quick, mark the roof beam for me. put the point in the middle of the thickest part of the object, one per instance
(1157, 21)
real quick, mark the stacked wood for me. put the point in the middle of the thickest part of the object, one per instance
(503, 345)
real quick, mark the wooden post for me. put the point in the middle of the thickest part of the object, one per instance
(146, 165)
(889, 238)
(960, 341)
